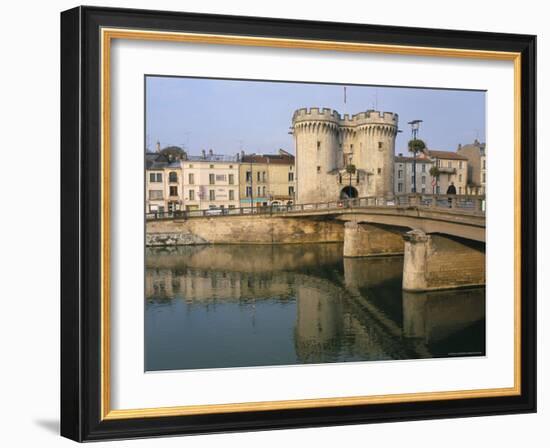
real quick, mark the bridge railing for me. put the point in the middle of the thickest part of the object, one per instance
(474, 204)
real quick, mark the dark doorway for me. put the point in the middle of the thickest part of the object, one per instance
(348, 193)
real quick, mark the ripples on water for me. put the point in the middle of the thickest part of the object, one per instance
(237, 306)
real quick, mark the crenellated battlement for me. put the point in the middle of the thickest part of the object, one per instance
(315, 114)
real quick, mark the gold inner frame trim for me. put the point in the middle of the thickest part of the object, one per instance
(107, 35)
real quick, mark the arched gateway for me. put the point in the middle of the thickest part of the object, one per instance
(348, 192)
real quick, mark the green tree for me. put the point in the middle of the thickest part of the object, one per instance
(416, 145)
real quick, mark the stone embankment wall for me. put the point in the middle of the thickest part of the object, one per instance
(242, 230)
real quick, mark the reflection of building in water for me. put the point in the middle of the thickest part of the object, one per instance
(437, 315)
(194, 285)
(346, 310)
(319, 322)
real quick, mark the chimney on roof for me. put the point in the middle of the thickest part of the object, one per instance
(242, 154)
(476, 142)
(158, 146)
(203, 154)
(210, 152)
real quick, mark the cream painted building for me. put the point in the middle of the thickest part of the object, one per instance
(163, 184)
(475, 153)
(453, 169)
(210, 181)
(267, 179)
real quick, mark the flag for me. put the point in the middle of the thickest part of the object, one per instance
(345, 94)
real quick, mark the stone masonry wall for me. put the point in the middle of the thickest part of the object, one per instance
(243, 230)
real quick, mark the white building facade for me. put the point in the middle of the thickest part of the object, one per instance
(210, 181)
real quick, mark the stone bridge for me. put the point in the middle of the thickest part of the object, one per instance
(442, 237)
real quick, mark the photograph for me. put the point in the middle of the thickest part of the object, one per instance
(293, 223)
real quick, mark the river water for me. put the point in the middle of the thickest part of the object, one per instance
(256, 305)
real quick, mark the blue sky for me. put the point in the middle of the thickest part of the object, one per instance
(227, 115)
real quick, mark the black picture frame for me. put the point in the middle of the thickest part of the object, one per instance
(81, 224)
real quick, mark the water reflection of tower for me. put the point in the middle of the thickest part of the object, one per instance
(319, 322)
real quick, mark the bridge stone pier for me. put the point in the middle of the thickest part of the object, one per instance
(433, 262)
(365, 240)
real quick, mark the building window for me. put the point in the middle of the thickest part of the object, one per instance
(231, 195)
(318, 169)
(400, 174)
(379, 170)
(263, 191)
(459, 190)
(220, 177)
(231, 179)
(437, 189)
(191, 178)
(173, 191)
(450, 164)
(173, 177)
(460, 164)
(291, 191)
(191, 195)
(155, 177)
(211, 179)
(484, 163)
(230, 167)
(264, 176)
(290, 177)
(249, 176)
(423, 167)
(460, 177)
(423, 180)
(211, 167)
(400, 187)
(351, 148)
(258, 176)
(423, 189)
(379, 145)
(212, 195)
(248, 192)
(155, 195)
(483, 177)
(318, 145)
(191, 165)
(259, 191)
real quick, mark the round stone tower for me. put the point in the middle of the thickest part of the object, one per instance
(316, 137)
(375, 149)
(327, 142)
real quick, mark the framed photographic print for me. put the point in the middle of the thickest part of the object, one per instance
(272, 223)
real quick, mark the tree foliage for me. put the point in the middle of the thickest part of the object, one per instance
(416, 145)
(434, 172)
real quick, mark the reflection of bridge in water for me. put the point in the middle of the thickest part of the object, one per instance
(347, 309)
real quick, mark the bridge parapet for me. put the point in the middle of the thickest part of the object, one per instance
(474, 205)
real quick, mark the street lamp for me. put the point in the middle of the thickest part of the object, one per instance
(415, 126)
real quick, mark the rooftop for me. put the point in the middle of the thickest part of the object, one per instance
(210, 157)
(276, 159)
(448, 155)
